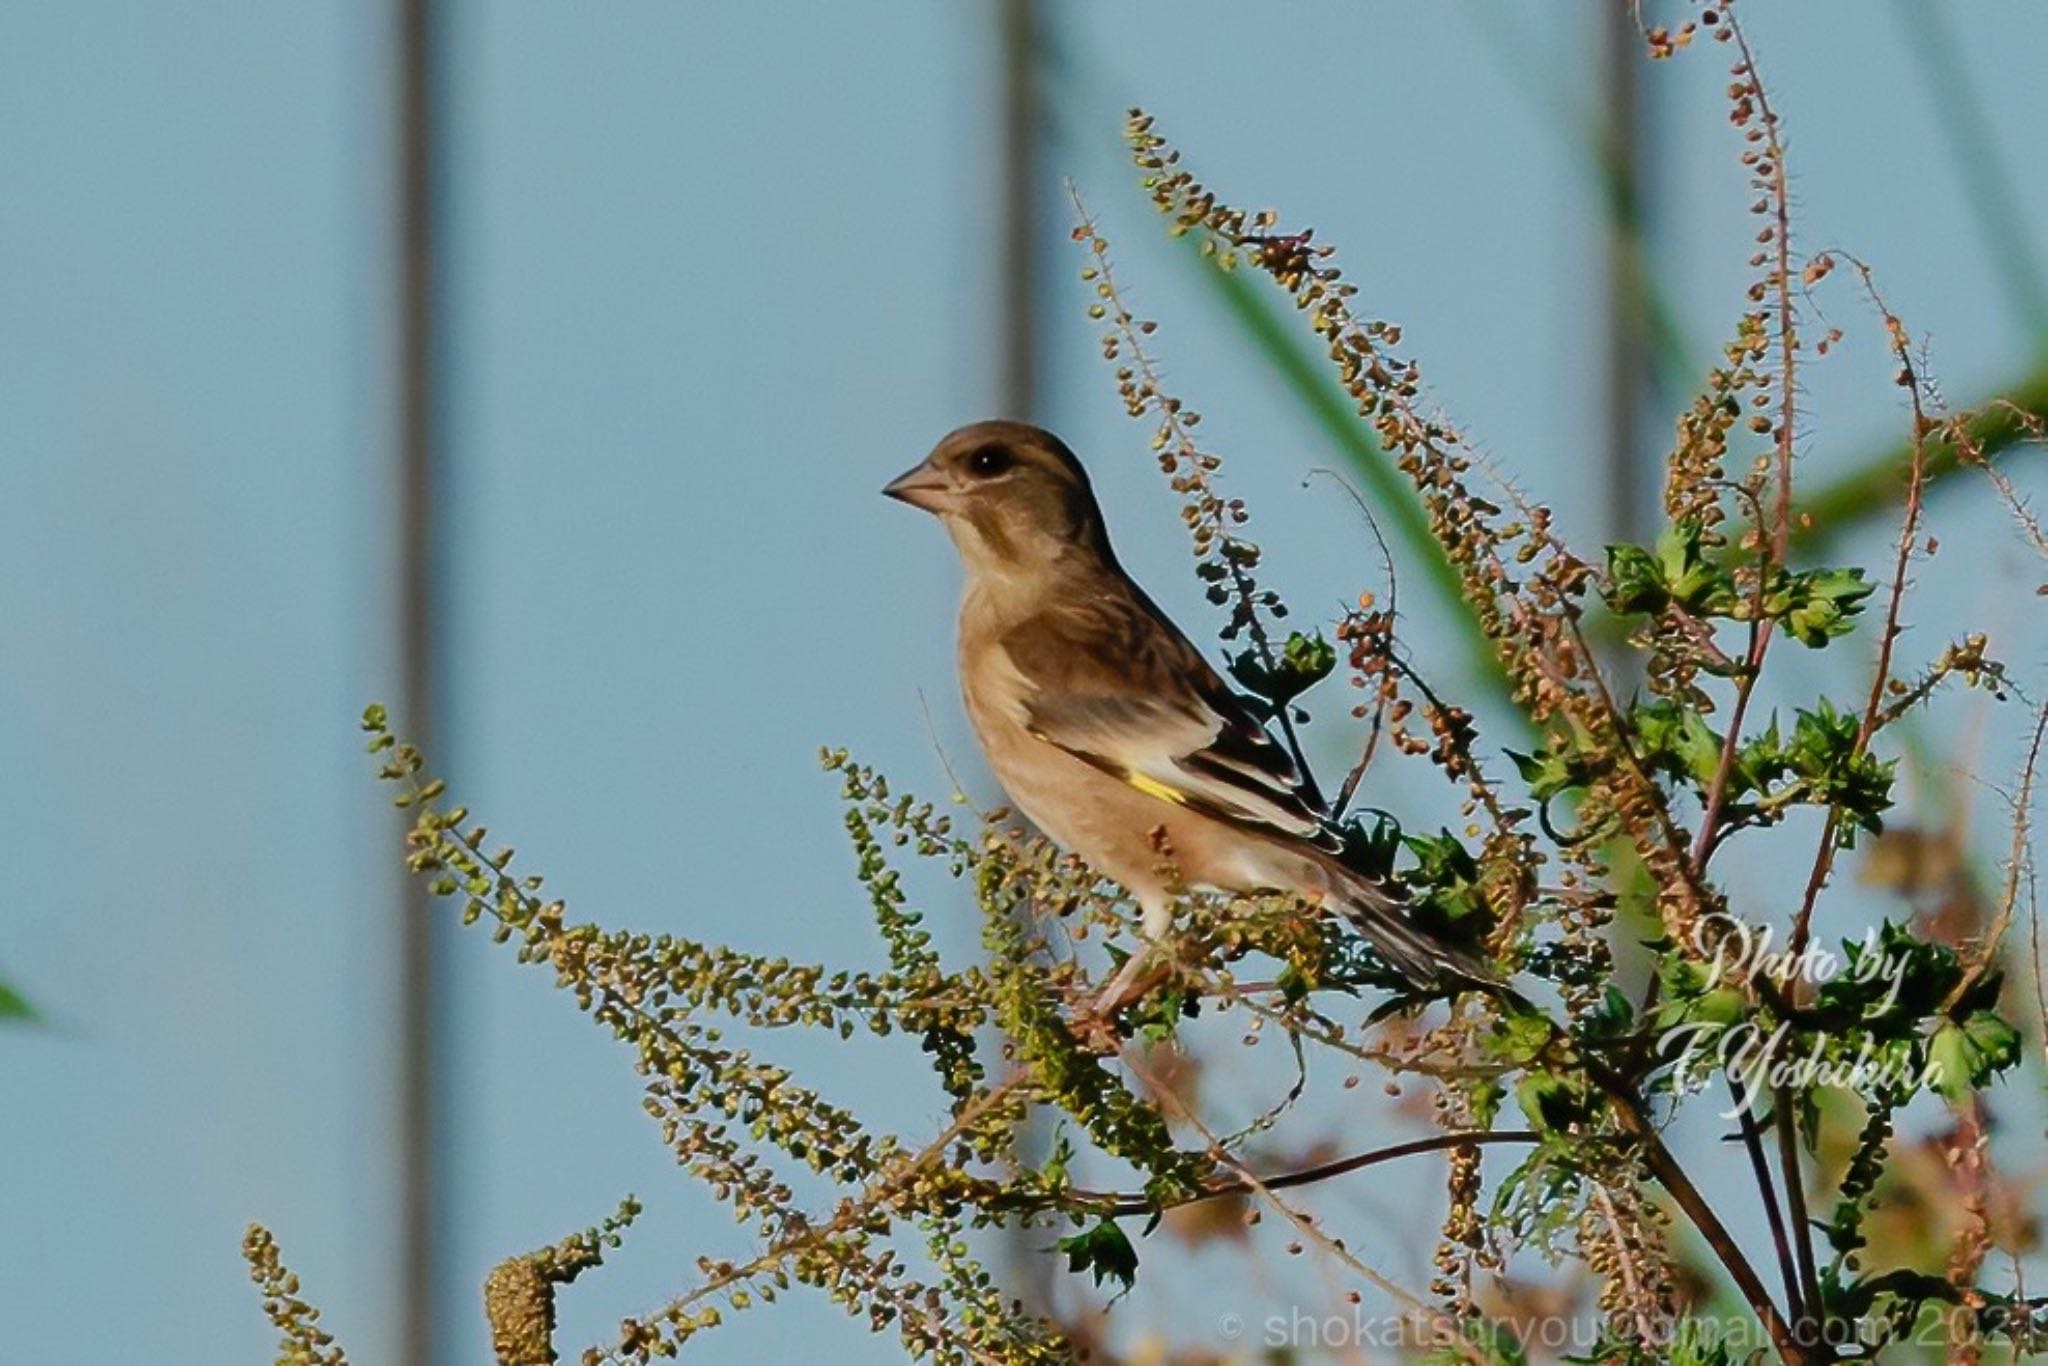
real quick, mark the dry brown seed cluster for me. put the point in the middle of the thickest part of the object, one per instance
(1507, 567)
(303, 1341)
(1522, 583)
(723, 1111)
(1622, 1235)
(1696, 472)
(1227, 561)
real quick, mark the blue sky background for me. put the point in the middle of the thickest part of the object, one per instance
(714, 274)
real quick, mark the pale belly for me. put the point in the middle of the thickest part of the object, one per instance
(1116, 829)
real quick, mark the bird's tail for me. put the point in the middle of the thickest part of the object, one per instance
(1425, 958)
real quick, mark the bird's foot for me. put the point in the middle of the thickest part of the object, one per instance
(1095, 1022)
(1097, 1032)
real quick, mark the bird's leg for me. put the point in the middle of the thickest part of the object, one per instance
(1141, 972)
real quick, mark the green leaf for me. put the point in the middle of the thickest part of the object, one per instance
(1701, 1342)
(1692, 995)
(1441, 860)
(1303, 662)
(1817, 605)
(1695, 582)
(1445, 883)
(1823, 751)
(1056, 1171)
(1890, 983)
(1964, 1056)
(1678, 571)
(1997, 1043)
(1677, 740)
(1484, 1097)
(1635, 581)
(1104, 1252)
(1371, 848)
(1759, 761)
(1548, 773)
(1950, 1063)
(1913, 1288)
(1612, 1019)
(1519, 1035)
(1309, 657)
(1552, 1100)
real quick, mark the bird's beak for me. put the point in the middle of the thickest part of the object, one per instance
(921, 486)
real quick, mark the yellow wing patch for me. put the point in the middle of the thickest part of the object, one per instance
(1152, 787)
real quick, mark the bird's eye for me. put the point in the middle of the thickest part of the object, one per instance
(989, 461)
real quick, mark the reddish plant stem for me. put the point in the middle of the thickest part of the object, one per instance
(1114, 1204)
(1774, 1215)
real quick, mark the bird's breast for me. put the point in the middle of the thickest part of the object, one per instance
(1042, 780)
(1109, 822)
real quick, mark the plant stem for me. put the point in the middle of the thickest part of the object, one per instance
(1752, 1140)
(1795, 1203)
(2000, 423)
(1115, 1204)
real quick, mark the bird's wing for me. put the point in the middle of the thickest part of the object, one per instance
(1114, 683)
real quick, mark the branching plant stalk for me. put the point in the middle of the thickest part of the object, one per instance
(1909, 531)
(893, 1240)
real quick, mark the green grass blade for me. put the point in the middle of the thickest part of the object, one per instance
(14, 1005)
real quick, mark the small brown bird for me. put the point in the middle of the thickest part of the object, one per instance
(1108, 728)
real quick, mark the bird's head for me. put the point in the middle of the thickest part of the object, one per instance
(1012, 496)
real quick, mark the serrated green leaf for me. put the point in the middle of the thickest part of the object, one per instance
(1965, 1055)
(1635, 580)
(1371, 848)
(1818, 605)
(1105, 1252)
(1693, 580)
(1677, 740)
(1551, 1100)
(1303, 662)
(1547, 773)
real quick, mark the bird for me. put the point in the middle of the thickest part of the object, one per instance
(1110, 731)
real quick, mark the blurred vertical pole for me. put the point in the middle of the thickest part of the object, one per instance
(1019, 208)
(418, 1041)
(1627, 369)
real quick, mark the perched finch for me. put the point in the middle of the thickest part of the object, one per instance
(1108, 728)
